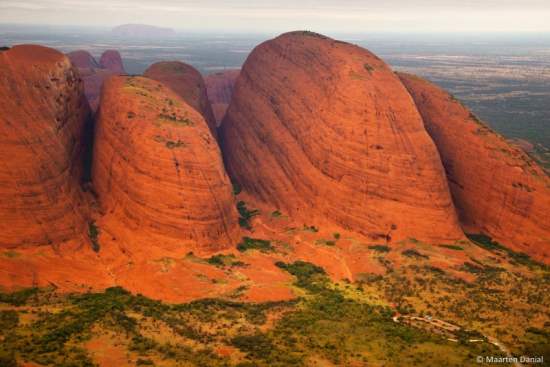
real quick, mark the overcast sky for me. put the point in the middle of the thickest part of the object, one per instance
(282, 15)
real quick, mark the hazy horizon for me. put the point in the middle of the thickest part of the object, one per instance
(266, 17)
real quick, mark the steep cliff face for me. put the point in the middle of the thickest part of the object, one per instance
(112, 61)
(186, 82)
(219, 87)
(498, 189)
(157, 169)
(325, 131)
(43, 112)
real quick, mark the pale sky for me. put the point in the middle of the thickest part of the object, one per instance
(282, 15)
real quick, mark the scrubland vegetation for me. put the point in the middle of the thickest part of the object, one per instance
(349, 323)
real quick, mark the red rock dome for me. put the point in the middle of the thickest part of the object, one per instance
(43, 113)
(112, 61)
(325, 131)
(158, 171)
(497, 188)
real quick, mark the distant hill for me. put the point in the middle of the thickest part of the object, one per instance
(142, 31)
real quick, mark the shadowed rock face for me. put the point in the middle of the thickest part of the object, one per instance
(112, 61)
(94, 74)
(220, 89)
(82, 59)
(157, 169)
(497, 188)
(325, 131)
(186, 82)
(43, 113)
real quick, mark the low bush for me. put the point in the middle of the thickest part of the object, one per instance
(309, 276)
(144, 362)
(18, 298)
(246, 215)
(93, 234)
(222, 260)
(380, 248)
(310, 228)
(256, 346)
(414, 254)
(175, 119)
(249, 243)
(236, 189)
(453, 247)
(326, 242)
(9, 319)
(487, 243)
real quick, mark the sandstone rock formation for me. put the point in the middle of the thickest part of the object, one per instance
(325, 131)
(43, 113)
(158, 171)
(497, 188)
(112, 61)
(219, 87)
(94, 74)
(188, 83)
(82, 59)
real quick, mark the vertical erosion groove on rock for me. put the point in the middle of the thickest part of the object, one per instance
(157, 168)
(497, 188)
(324, 129)
(42, 118)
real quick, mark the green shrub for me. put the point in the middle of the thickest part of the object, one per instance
(144, 362)
(301, 269)
(471, 268)
(310, 228)
(174, 144)
(309, 276)
(175, 119)
(245, 215)
(487, 243)
(7, 359)
(326, 242)
(93, 233)
(336, 235)
(276, 214)
(18, 298)
(249, 243)
(9, 319)
(142, 345)
(256, 346)
(380, 248)
(216, 260)
(453, 247)
(222, 260)
(236, 189)
(414, 254)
